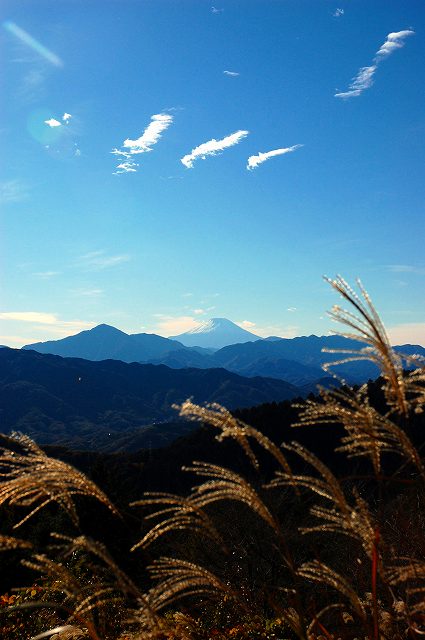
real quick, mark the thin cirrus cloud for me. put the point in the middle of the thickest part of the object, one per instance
(212, 147)
(406, 268)
(151, 135)
(254, 161)
(288, 331)
(98, 260)
(12, 191)
(45, 275)
(87, 292)
(365, 77)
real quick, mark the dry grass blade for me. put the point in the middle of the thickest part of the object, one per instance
(368, 433)
(353, 521)
(327, 486)
(181, 514)
(224, 484)
(83, 594)
(63, 629)
(10, 543)
(121, 580)
(365, 326)
(321, 573)
(61, 578)
(405, 570)
(230, 427)
(102, 597)
(414, 382)
(180, 578)
(330, 607)
(33, 479)
(357, 523)
(410, 572)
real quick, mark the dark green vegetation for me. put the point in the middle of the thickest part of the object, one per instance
(112, 405)
(321, 537)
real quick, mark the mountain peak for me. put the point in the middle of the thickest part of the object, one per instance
(215, 333)
(215, 324)
(106, 329)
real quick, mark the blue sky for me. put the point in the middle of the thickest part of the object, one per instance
(100, 219)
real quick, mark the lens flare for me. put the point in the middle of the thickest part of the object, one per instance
(31, 42)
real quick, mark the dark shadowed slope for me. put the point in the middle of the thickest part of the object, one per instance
(61, 399)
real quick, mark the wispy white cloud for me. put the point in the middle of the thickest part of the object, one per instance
(126, 167)
(233, 74)
(98, 260)
(394, 41)
(29, 316)
(212, 147)
(12, 191)
(199, 312)
(364, 78)
(52, 122)
(89, 292)
(45, 275)
(254, 161)
(246, 324)
(151, 135)
(338, 13)
(33, 81)
(284, 331)
(406, 268)
(14, 341)
(174, 325)
(25, 327)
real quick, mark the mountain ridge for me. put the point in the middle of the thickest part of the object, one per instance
(104, 341)
(298, 360)
(63, 400)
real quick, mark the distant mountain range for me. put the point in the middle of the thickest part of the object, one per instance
(298, 361)
(104, 342)
(110, 390)
(215, 334)
(92, 405)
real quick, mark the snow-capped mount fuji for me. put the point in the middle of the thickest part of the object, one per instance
(215, 334)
